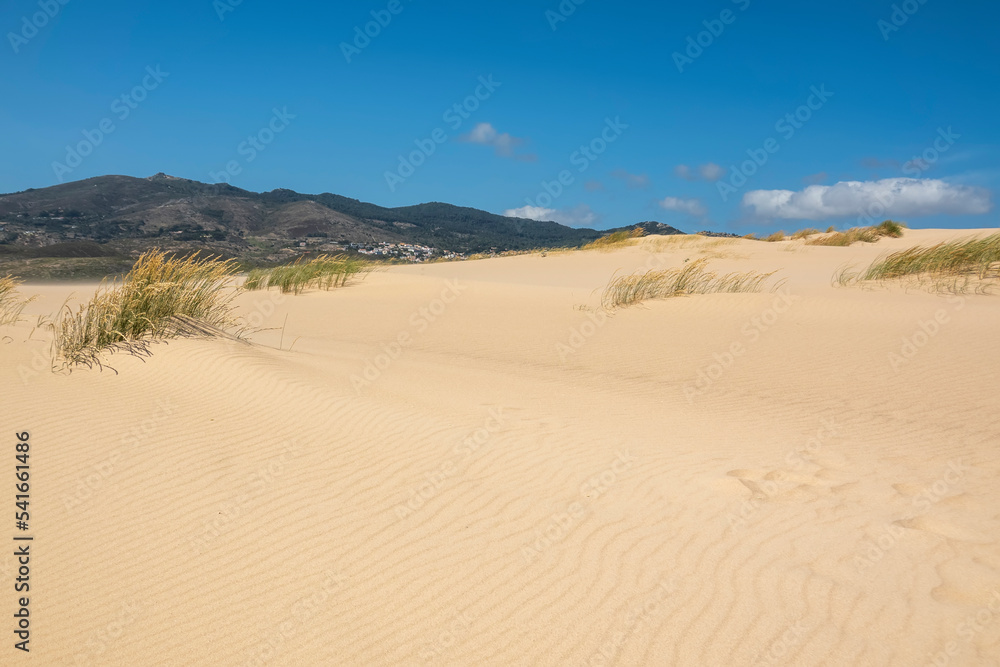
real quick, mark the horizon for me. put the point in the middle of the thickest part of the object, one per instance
(741, 122)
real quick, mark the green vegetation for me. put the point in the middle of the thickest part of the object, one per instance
(954, 266)
(164, 212)
(11, 302)
(615, 239)
(973, 258)
(324, 272)
(891, 228)
(66, 268)
(72, 260)
(693, 278)
(161, 297)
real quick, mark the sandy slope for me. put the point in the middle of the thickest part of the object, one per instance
(524, 480)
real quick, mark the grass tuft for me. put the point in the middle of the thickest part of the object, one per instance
(11, 302)
(693, 278)
(891, 228)
(160, 297)
(957, 261)
(775, 237)
(615, 239)
(325, 272)
(860, 234)
(804, 233)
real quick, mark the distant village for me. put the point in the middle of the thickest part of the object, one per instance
(383, 250)
(404, 251)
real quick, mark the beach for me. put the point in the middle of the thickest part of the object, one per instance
(477, 463)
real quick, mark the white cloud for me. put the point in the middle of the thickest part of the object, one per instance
(889, 197)
(530, 212)
(711, 171)
(706, 172)
(578, 216)
(483, 133)
(689, 206)
(487, 135)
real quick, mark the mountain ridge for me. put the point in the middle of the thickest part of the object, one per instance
(137, 211)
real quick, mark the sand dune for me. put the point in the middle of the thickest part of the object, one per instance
(473, 464)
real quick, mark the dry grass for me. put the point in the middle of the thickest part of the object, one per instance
(955, 266)
(161, 297)
(616, 239)
(860, 234)
(324, 272)
(706, 247)
(979, 258)
(721, 254)
(693, 278)
(847, 238)
(835, 238)
(11, 301)
(679, 241)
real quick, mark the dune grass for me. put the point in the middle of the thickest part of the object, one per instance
(964, 260)
(11, 301)
(834, 238)
(854, 235)
(955, 267)
(615, 239)
(847, 238)
(325, 272)
(160, 297)
(693, 278)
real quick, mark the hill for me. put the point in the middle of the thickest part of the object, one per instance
(123, 214)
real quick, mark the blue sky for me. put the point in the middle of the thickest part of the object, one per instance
(695, 135)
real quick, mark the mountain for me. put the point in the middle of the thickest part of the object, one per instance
(164, 210)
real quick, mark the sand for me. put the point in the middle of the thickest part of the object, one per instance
(473, 464)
